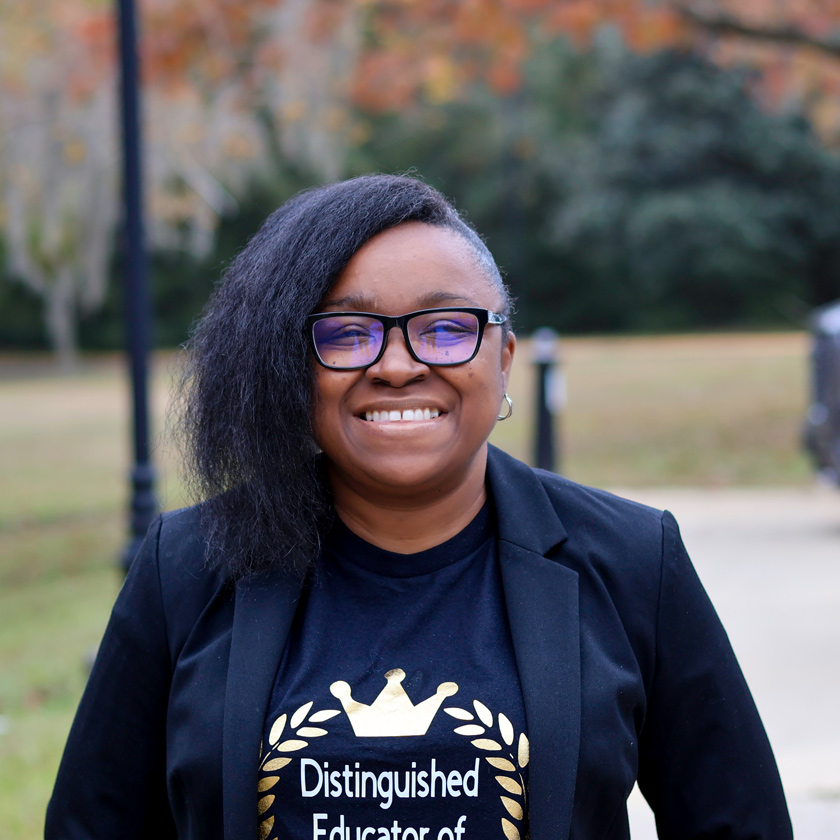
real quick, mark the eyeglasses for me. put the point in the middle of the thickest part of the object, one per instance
(353, 340)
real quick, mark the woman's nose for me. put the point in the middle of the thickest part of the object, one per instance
(396, 367)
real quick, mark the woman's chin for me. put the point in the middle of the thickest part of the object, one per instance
(412, 474)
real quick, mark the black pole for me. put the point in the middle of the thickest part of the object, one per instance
(550, 397)
(138, 309)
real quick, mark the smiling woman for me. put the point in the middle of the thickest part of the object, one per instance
(410, 484)
(374, 624)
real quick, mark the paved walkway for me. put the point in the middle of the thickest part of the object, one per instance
(770, 560)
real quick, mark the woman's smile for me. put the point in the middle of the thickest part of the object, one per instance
(405, 415)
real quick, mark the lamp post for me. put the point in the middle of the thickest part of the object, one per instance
(143, 504)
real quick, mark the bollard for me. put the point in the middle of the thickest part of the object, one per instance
(822, 423)
(551, 398)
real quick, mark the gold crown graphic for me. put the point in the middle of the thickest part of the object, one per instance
(392, 714)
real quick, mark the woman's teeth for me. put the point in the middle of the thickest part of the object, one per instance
(407, 414)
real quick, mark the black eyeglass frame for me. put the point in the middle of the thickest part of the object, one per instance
(485, 317)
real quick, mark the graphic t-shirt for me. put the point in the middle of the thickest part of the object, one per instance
(396, 712)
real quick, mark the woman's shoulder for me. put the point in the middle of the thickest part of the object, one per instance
(181, 541)
(589, 527)
(618, 550)
(174, 559)
(577, 505)
(589, 506)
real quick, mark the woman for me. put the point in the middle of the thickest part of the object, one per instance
(377, 626)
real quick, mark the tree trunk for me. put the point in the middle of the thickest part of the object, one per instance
(59, 299)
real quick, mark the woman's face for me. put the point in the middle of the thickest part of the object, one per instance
(406, 268)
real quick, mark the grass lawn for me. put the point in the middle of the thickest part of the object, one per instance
(701, 410)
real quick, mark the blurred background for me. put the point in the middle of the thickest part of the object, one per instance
(658, 179)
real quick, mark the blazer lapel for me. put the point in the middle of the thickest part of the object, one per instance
(542, 604)
(541, 596)
(264, 609)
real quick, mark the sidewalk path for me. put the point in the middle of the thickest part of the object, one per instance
(770, 560)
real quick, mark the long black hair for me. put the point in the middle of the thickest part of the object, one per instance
(246, 395)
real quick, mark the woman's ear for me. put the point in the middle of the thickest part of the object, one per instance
(508, 349)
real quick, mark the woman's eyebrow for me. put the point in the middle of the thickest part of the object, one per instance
(438, 298)
(360, 303)
(352, 302)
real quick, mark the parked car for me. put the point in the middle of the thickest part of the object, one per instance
(822, 424)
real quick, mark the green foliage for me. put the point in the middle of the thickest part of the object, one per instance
(487, 154)
(181, 282)
(21, 323)
(687, 206)
(618, 192)
(626, 192)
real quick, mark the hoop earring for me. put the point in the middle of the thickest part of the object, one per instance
(509, 401)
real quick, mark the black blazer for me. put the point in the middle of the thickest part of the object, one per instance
(625, 669)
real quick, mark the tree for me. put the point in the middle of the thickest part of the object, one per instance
(438, 48)
(217, 117)
(56, 172)
(795, 45)
(235, 90)
(631, 192)
(688, 205)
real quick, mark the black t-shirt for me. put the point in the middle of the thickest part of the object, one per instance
(397, 712)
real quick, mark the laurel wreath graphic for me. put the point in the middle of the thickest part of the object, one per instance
(276, 748)
(512, 755)
(510, 779)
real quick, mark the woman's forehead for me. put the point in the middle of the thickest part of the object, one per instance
(416, 265)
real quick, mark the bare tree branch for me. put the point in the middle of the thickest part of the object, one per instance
(722, 23)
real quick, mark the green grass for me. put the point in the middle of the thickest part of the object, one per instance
(703, 410)
(57, 584)
(64, 458)
(697, 410)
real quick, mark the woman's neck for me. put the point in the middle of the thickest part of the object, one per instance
(408, 524)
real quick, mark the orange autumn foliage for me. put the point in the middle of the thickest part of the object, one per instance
(436, 48)
(794, 44)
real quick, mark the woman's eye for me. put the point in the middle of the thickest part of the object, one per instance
(447, 328)
(348, 333)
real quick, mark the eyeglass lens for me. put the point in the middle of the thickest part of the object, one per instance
(349, 340)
